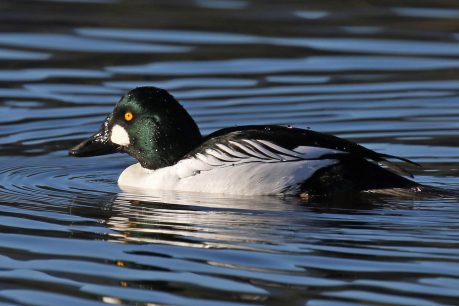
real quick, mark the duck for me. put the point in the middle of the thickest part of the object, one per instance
(149, 124)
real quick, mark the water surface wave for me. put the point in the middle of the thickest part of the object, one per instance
(384, 76)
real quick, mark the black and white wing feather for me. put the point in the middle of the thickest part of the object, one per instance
(273, 143)
(242, 151)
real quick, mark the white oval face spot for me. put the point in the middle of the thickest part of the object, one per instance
(119, 136)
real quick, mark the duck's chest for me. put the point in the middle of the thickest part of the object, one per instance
(254, 178)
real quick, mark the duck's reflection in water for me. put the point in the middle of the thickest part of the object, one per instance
(198, 219)
(220, 221)
(214, 221)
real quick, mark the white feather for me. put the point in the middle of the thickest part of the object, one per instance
(119, 136)
(248, 150)
(210, 160)
(221, 155)
(243, 179)
(280, 149)
(260, 148)
(231, 151)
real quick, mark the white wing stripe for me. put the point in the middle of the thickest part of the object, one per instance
(249, 151)
(210, 160)
(260, 148)
(280, 149)
(221, 155)
(231, 152)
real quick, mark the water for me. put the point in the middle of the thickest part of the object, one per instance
(384, 74)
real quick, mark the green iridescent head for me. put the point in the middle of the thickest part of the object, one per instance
(148, 124)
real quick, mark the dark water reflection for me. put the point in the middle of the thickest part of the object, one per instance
(384, 74)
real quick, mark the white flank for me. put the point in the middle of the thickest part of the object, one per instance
(244, 167)
(119, 136)
(251, 178)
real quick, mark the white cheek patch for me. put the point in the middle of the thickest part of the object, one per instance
(119, 136)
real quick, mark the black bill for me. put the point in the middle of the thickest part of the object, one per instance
(97, 144)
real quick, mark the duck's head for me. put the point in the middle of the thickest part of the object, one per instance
(148, 124)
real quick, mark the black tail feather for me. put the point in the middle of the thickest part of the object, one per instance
(384, 156)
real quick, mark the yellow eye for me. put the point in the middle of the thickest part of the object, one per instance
(128, 116)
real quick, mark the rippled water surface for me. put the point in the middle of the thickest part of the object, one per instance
(382, 73)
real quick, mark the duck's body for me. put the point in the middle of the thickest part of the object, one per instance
(235, 163)
(247, 160)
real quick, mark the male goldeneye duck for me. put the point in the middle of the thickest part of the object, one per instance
(150, 125)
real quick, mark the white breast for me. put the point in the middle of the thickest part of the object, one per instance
(249, 178)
